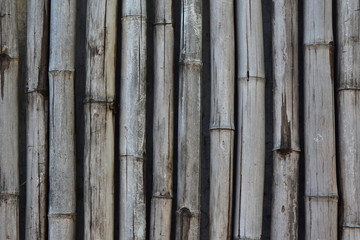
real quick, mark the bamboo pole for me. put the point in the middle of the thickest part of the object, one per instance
(222, 117)
(321, 195)
(189, 130)
(284, 221)
(99, 119)
(37, 119)
(163, 127)
(251, 121)
(348, 116)
(9, 118)
(61, 215)
(132, 120)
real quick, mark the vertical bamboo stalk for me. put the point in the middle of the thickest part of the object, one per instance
(163, 128)
(62, 195)
(251, 121)
(189, 130)
(132, 120)
(321, 195)
(348, 116)
(9, 144)
(284, 221)
(37, 119)
(222, 117)
(99, 119)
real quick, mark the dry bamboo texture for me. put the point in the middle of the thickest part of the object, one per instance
(348, 97)
(9, 124)
(321, 194)
(286, 151)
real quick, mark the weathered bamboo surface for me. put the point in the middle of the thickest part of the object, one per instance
(37, 119)
(132, 120)
(9, 143)
(62, 209)
(251, 121)
(99, 119)
(348, 97)
(284, 218)
(321, 195)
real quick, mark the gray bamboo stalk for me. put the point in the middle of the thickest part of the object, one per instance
(189, 123)
(37, 119)
(251, 121)
(99, 119)
(163, 127)
(321, 194)
(348, 116)
(61, 215)
(222, 117)
(286, 151)
(132, 120)
(9, 144)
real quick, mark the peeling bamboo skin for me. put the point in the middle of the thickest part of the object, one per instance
(132, 120)
(9, 156)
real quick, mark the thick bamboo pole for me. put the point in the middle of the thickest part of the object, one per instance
(286, 151)
(348, 116)
(189, 131)
(132, 120)
(251, 121)
(163, 128)
(37, 119)
(321, 195)
(9, 118)
(222, 117)
(62, 195)
(99, 119)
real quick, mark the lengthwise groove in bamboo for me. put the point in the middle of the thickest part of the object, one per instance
(186, 120)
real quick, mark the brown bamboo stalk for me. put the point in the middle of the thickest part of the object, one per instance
(9, 144)
(321, 195)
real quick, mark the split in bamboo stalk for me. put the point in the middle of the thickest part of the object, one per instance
(62, 197)
(348, 116)
(189, 130)
(321, 195)
(251, 121)
(222, 117)
(132, 120)
(99, 119)
(37, 119)
(9, 119)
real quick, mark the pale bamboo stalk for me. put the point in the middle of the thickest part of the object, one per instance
(251, 121)
(321, 194)
(132, 120)
(37, 119)
(348, 116)
(222, 117)
(62, 197)
(189, 124)
(286, 151)
(163, 126)
(99, 119)
(9, 119)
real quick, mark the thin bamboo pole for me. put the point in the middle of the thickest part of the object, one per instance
(163, 128)
(222, 117)
(348, 116)
(189, 130)
(62, 208)
(132, 120)
(99, 119)
(251, 121)
(321, 195)
(9, 121)
(37, 119)
(286, 151)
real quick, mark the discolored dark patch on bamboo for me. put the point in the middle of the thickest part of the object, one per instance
(285, 144)
(4, 65)
(185, 217)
